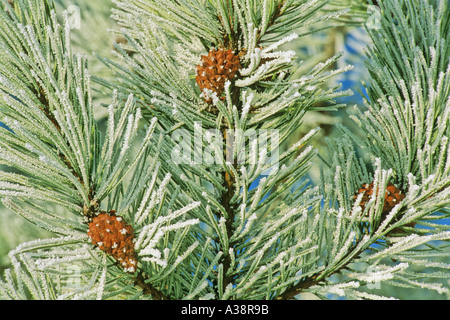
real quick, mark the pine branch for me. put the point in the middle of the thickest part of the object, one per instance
(225, 214)
(84, 174)
(230, 209)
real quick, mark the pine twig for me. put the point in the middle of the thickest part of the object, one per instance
(148, 289)
(314, 280)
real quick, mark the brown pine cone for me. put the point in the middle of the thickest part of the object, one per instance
(215, 69)
(115, 237)
(392, 197)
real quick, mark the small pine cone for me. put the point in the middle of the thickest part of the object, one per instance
(392, 197)
(115, 237)
(215, 69)
(367, 190)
